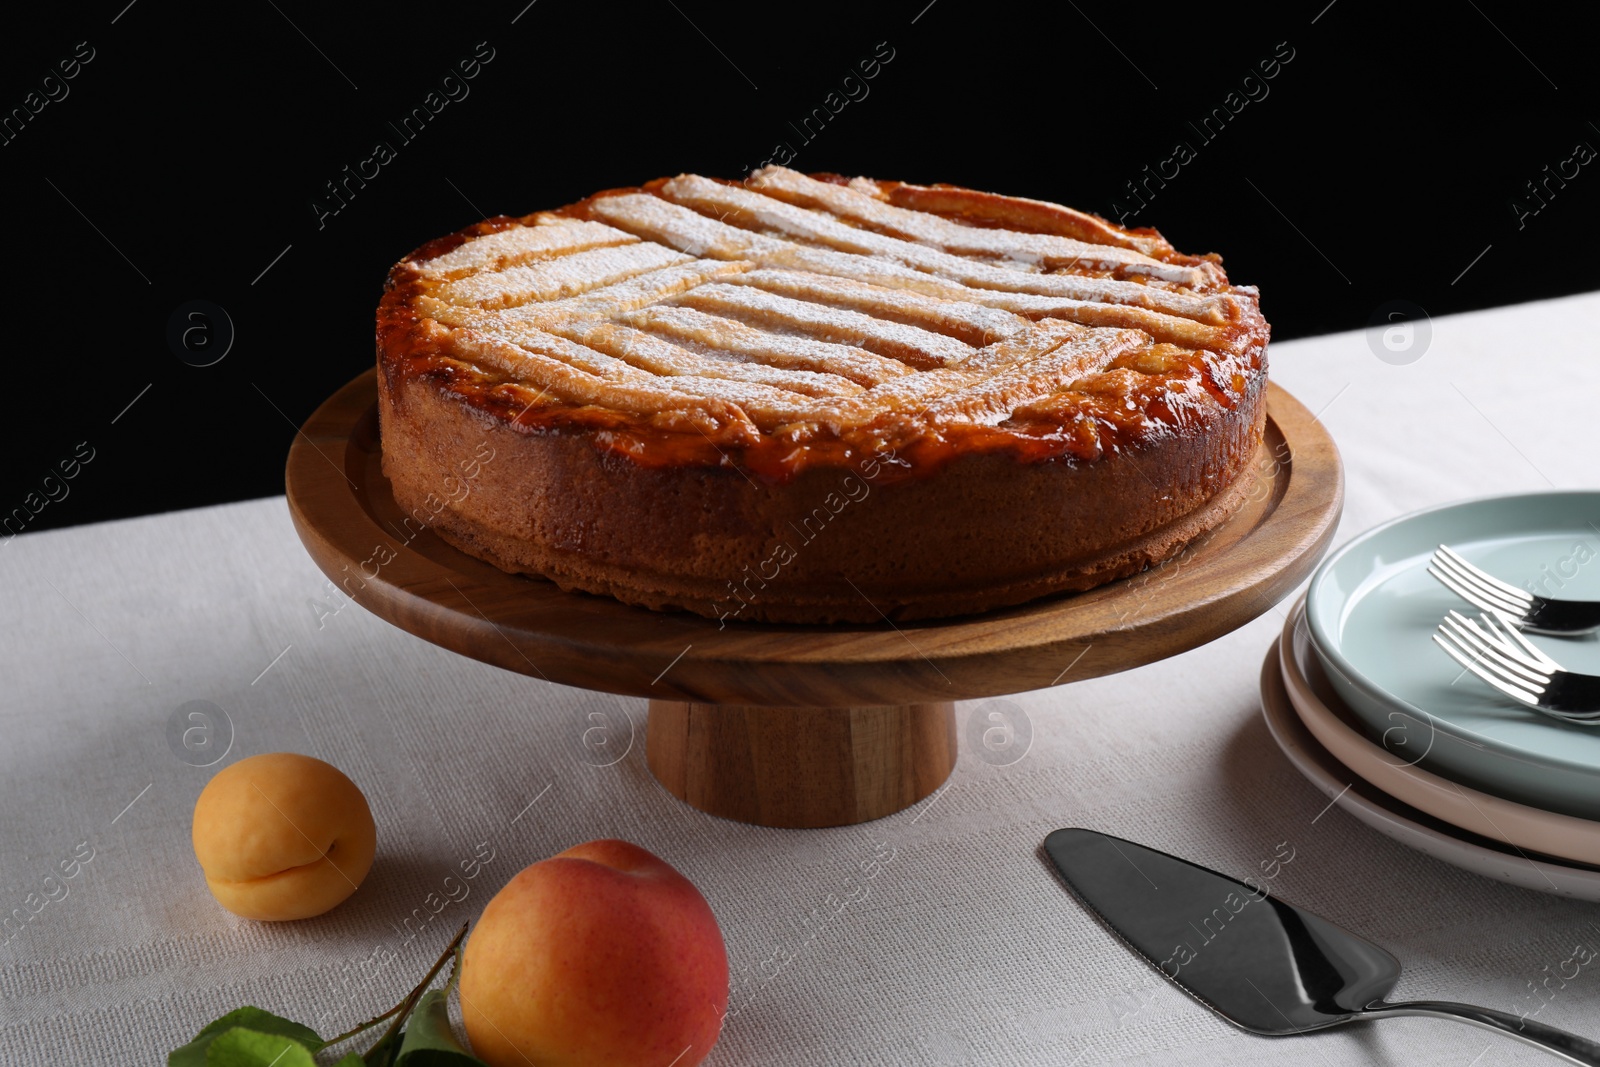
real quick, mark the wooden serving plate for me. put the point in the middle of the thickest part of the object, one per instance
(803, 725)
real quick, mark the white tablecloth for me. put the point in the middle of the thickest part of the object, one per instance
(964, 949)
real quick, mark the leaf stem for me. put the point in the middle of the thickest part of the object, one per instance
(360, 1028)
(404, 1008)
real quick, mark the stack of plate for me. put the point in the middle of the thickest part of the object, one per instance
(1369, 709)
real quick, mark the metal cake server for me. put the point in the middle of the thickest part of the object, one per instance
(1263, 965)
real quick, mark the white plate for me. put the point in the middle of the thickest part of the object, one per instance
(1406, 824)
(1392, 765)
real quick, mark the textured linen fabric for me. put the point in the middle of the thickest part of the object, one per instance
(935, 936)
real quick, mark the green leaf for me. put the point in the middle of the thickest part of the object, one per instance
(250, 1037)
(429, 1040)
(251, 1048)
(194, 1053)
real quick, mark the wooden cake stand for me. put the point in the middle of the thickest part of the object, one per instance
(803, 725)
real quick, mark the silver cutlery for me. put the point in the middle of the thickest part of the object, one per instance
(1265, 966)
(1527, 611)
(1492, 649)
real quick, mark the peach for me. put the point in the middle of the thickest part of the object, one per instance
(282, 836)
(602, 955)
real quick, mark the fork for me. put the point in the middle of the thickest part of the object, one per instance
(1524, 610)
(1500, 656)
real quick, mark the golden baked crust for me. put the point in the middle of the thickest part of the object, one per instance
(812, 399)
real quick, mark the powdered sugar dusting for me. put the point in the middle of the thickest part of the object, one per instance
(554, 278)
(1045, 250)
(520, 244)
(793, 306)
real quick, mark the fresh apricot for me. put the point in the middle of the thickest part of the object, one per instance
(601, 956)
(282, 836)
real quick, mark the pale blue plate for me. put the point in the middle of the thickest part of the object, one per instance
(1372, 606)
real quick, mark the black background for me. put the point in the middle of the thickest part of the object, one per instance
(187, 154)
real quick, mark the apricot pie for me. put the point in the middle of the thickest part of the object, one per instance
(817, 399)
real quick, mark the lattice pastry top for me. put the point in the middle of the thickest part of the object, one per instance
(790, 320)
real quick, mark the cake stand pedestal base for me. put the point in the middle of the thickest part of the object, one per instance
(800, 767)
